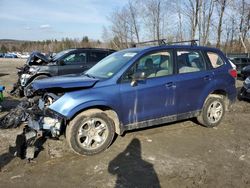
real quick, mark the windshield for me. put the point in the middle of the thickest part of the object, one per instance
(60, 54)
(111, 64)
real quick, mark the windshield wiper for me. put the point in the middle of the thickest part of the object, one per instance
(88, 75)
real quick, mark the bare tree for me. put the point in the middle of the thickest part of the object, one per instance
(192, 12)
(153, 17)
(207, 12)
(221, 4)
(180, 24)
(244, 26)
(134, 18)
(120, 27)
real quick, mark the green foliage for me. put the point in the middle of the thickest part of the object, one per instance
(3, 49)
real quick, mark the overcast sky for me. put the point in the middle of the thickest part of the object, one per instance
(55, 19)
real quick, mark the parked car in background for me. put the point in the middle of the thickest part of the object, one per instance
(10, 55)
(1, 96)
(23, 55)
(131, 89)
(71, 61)
(240, 63)
(245, 90)
(245, 72)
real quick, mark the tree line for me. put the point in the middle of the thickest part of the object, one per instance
(47, 46)
(224, 24)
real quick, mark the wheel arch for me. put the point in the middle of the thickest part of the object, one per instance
(219, 93)
(35, 76)
(111, 113)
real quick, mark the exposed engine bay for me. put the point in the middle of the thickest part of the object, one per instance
(41, 122)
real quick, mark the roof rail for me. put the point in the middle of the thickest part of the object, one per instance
(163, 42)
(193, 42)
(159, 42)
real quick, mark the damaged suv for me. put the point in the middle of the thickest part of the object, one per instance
(71, 61)
(131, 89)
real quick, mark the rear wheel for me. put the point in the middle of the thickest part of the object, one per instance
(212, 113)
(90, 133)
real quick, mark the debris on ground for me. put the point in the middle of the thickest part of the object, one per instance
(16, 116)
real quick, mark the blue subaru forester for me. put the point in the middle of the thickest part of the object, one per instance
(131, 89)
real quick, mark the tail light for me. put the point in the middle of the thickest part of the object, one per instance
(233, 73)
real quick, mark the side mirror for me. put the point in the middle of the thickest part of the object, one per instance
(138, 76)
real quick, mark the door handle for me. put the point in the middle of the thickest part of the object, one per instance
(83, 66)
(207, 77)
(170, 84)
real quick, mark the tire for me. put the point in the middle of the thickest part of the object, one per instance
(90, 132)
(212, 112)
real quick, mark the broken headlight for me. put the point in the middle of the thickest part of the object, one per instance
(33, 69)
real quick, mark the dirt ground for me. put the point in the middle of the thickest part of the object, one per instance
(181, 154)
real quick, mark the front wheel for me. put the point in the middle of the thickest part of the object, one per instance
(212, 113)
(89, 134)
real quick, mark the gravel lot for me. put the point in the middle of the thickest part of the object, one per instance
(181, 154)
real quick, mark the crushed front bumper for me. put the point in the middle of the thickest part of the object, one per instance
(42, 123)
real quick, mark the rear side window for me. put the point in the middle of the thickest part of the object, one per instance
(96, 56)
(215, 59)
(190, 61)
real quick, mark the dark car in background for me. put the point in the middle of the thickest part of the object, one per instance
(245, 90)
(71, 61)
(240, 63)
(245, 72)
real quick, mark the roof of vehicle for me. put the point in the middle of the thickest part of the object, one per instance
(191, 47)
(96, 49)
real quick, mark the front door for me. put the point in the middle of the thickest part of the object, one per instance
(152, 97)
(73, 63)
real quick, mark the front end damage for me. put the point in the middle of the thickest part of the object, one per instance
(26, 73)
(42, 123)
(37, 112)
(23, 76)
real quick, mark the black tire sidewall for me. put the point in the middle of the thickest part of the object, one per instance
(210, 100)
(75, 127)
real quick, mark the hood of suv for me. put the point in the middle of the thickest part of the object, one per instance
(64, 82)
(37, 58)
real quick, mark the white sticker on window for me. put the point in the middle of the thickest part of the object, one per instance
(131, 54)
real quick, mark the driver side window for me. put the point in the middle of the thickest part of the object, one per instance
(76, 58)
(155, 64)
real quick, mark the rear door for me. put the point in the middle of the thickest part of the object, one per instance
(73, 63)
(193, 75)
